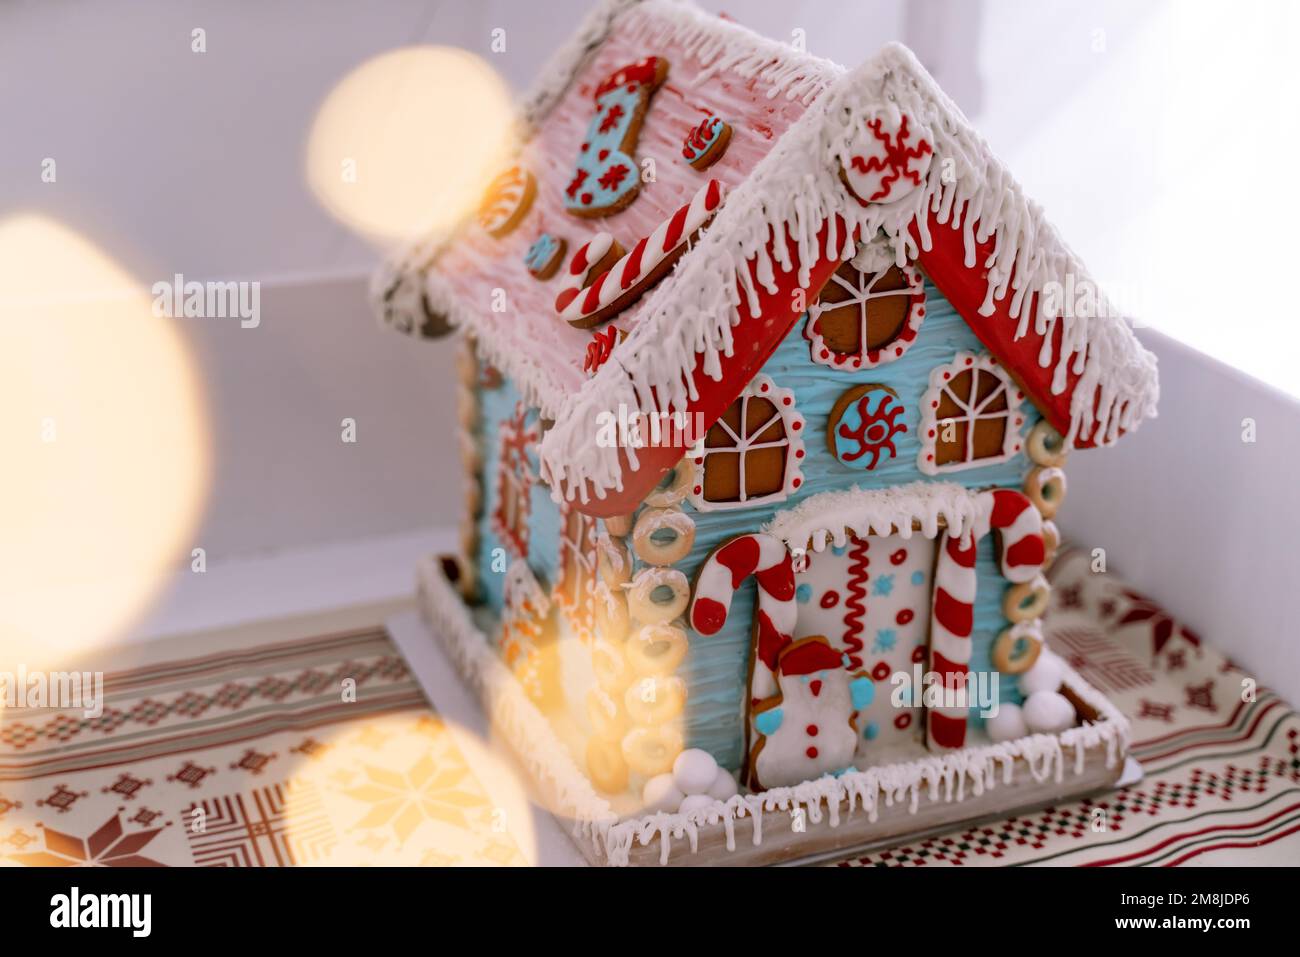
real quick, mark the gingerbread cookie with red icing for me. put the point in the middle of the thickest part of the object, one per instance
(598, 288)
(705, 144)
(507, 201)
(606, 177)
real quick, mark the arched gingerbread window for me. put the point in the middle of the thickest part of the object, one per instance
(752, 454)
(514, 482)
(864, 318)
(970, 415)
(577, 571)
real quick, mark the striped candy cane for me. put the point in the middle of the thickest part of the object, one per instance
(630, 276)
(767, 559)
(951, 621)
(1021, 527)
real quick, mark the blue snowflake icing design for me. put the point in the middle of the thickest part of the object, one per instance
(918, 578)
(803, 593)
(540, 252)
(886, 639)
(882, 585)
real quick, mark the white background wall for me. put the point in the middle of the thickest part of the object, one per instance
(180, 162)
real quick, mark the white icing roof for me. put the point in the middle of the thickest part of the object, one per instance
(794, 186)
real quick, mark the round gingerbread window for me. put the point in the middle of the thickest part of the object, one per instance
(865, 319)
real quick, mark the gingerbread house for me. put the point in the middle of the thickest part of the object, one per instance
(770, 371)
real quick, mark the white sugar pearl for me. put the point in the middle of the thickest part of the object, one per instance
(694, 802)
(661, 794)
(723, 786)
(1047, 712)
(694, 770)
(1008, 724)
(1045, 675)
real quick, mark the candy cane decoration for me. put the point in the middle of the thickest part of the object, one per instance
(767, 559)
(1014, 516)
(618, 287)
(1021, 525)
(951, 621)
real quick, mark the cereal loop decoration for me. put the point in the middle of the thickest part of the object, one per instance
(1026, 601)
(1051, 542)
(1045, 446)
(655, 699)
(663, 536)
(1016, 649)
(507, 201)
(1045, 487)
(863, 426)
(610, 612)
(606, 177)
(613, 562)
(652, 750)
(657, 649)
(658, 595)
(674, 487)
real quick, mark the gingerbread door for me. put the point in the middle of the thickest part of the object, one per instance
(871, 600)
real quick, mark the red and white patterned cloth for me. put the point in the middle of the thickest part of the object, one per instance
(254, 757)
(285, 771)
(1221, 755)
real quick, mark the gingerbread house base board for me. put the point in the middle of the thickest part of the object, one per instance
(872, 808)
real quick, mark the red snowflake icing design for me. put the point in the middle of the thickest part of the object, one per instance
(874, 435)
(897, 161)
(611, 118)
(613, 177)
(575, 184)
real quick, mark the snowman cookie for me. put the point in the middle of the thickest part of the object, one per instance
(806, 729)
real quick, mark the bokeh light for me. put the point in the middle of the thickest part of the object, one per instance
(106, 445)
(409, 791)
(406, 143)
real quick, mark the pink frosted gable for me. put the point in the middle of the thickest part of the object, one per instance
(476, 265)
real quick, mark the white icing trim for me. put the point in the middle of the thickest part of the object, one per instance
(940, 376)
(949, 777)
(797, 188)
(792, 422)
(830, 517)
